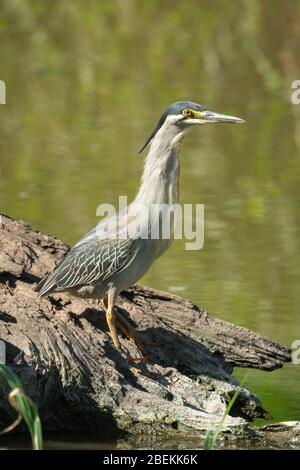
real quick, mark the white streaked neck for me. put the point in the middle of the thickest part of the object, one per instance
(160, 180)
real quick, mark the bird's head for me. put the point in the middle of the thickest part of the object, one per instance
(181, 116)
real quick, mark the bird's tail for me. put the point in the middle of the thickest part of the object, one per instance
(46, 285)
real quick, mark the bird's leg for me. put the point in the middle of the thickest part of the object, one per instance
(113, 316)
(131, 334)
(111, 320)
(128, 330)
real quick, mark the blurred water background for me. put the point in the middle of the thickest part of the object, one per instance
(87, 81)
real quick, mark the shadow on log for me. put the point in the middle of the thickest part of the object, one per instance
(61, 349)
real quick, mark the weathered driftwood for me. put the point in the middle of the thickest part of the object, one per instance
(61, 349)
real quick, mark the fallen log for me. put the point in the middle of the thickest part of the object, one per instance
(60, 348)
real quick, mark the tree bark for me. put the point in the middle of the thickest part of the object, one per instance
(61, 349)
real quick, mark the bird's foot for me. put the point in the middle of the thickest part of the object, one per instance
(138, 359)
(140, 344)
(132, 335)
(140, 372)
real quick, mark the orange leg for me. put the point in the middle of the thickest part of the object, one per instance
(137, 341)
(131, 334)
(128, 330)
(111, 320)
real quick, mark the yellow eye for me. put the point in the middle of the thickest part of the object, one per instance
(188, 113)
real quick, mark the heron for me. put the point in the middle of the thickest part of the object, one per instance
(107, 261)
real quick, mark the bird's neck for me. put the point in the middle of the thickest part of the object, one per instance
(160, 180)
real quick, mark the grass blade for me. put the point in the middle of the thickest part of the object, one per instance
(24, 406)
(212, 436)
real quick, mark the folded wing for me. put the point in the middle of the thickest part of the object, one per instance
(89, 263)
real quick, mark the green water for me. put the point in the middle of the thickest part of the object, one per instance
(86, 82)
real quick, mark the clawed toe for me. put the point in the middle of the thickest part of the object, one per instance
(138, 359)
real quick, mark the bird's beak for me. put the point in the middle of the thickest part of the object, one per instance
(209, 116)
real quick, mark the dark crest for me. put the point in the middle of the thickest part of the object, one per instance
(173, 109)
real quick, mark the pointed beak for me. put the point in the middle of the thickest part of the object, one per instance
(209, 116)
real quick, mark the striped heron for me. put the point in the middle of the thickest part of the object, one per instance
(105, 261)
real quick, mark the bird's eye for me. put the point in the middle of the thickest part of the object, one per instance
(187, 113)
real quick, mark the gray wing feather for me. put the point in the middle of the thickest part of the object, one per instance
(89, 263)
